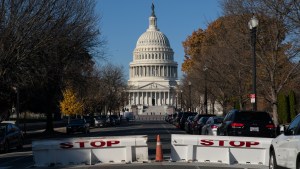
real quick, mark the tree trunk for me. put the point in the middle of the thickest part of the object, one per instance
(275, 115)
(49, 125)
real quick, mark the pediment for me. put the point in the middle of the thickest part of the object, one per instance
(154, 86)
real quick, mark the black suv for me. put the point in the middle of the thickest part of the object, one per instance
(247, 123)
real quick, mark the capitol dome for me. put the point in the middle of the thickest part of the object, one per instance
(153, 38)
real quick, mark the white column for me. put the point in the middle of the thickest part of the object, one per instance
(148, 71)
(160, 98)
(128, 98)
(139, 71)
(163, 97)
(155, 99)
(133, 97)
(147, 98)
(136, 98)
(167, 71)
(158, 70)
(169, 98)
(143, 98)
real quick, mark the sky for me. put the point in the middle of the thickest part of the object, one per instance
(124, 21)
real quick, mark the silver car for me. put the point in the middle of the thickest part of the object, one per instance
(211, 126)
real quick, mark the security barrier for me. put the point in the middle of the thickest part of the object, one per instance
(90, 150)
(220, 149)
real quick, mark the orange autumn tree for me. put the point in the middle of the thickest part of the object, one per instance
(225, 49)
(192, 49)
(70, 105)
(221, 48)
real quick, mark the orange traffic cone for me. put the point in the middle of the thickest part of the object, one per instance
(159, 153)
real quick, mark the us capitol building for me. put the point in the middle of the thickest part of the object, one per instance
(153, 72)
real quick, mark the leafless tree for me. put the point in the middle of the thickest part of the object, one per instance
(277, 50)
(44, 42)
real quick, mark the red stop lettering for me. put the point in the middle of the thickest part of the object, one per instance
(237, 143)
(221, 142)
(109, 143)
(98, 143)
(66, 145)
(81, 143)
(207, 142)
(249, 143)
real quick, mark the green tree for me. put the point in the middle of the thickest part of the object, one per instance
(283, 113)
(292, 105)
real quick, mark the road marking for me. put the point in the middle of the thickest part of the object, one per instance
(15, 154)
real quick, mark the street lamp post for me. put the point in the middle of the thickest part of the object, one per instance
(16, 89)
(181, 101)
(190, 94)
(253, 23)
(205, 90)
(176, 102)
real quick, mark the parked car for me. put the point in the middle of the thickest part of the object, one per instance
(168, 117)
(200, 123)
(116, 118)
(10, 136)
(90, 120)
(187, 124)
(183, 118)
(211, 125)
(110, 121)
(173, 118)
(78, 125)
(247, 123)
(285, 149)
(100, 121)
(177, 118)
(194, 129)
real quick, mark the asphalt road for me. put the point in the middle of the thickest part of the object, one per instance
(24, 159)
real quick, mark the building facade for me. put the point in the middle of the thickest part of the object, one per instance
(153, 71)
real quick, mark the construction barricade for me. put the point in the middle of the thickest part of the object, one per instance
(220, 149)
(90, 150)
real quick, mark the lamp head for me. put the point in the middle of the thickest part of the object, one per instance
(253, 23)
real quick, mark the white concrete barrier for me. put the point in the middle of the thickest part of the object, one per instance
(220, 149)
(90, 150)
